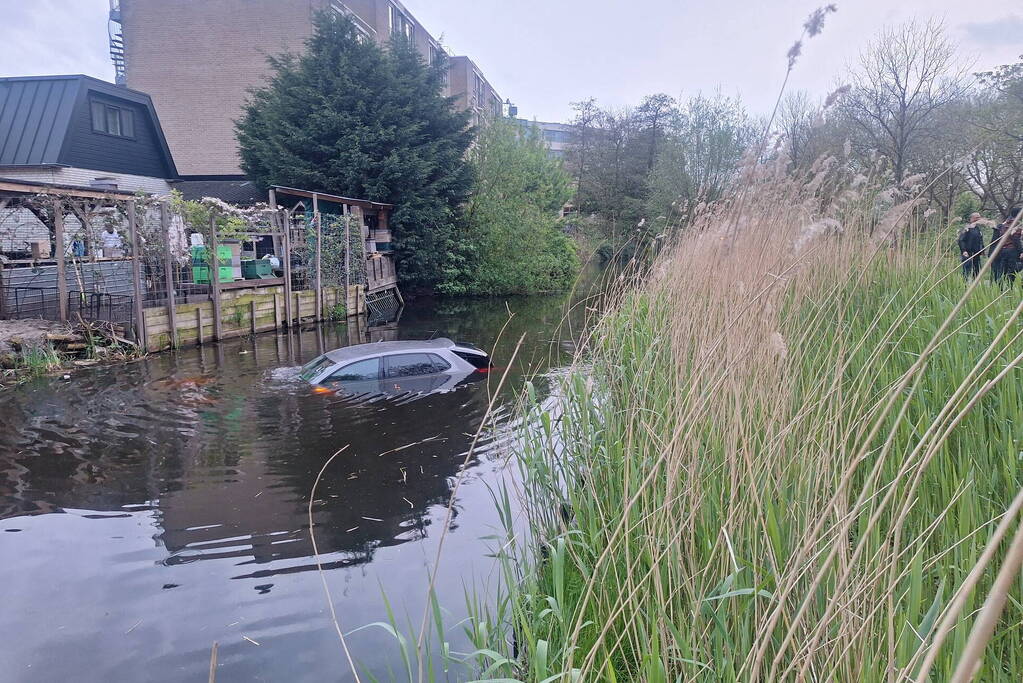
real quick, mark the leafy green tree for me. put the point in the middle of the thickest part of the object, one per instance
(348, 117)
(699, 158)
(966, 204)
(512, 242)
(638, 169)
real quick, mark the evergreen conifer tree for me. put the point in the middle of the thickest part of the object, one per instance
(351, 118)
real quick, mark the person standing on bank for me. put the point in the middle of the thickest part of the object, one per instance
(971, 247)
(1008, 261)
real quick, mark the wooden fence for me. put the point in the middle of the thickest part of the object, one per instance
(243, 312)
(174, 293)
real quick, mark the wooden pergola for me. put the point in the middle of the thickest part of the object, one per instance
(380, 269)
(50, 212)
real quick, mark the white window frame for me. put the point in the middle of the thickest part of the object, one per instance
(406, 22)
(435, 50)
(364, 33)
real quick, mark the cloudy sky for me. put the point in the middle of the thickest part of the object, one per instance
(544, 54)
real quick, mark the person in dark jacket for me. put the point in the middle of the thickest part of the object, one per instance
(1008, 261)
(971, 247)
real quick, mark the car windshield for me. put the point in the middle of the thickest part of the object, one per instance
(315, 367)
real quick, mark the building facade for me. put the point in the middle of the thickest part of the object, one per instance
(198, 59)
(472, 91)
(559, 137)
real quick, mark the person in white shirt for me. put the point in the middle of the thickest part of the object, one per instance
(111, 241)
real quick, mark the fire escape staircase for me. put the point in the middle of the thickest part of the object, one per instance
(116, 41)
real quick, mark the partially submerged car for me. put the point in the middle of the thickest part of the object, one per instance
(399, 367)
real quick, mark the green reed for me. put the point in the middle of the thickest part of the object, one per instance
(713, 503)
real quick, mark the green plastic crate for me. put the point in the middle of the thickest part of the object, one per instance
(257, 269)
(201, 274)
(200, 256)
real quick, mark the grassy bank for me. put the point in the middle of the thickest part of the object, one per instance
(788, 454)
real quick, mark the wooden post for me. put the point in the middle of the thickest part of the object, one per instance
(319, 275)
(3, 293)
(136, 276)
(198, 316)
(218, 330)
(168, 266)
(348, 245)
(285, 225)
(58, 238)
(277, 313)
(252, 311)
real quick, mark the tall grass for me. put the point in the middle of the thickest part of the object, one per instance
(792, 452)
(39, 359)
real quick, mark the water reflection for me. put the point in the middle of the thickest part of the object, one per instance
(184, 482)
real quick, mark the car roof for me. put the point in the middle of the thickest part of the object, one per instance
(358, 351)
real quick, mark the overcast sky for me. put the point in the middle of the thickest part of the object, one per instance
(544, 54)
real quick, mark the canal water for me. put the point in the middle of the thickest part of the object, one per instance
(151, 509)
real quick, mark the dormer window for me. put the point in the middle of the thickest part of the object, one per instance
(112, 120)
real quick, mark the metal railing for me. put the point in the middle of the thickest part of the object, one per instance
(19, 303)
(93, 306)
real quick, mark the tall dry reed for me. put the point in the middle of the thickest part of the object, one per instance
(792, 452)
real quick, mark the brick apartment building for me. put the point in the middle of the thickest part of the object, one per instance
(198, 58)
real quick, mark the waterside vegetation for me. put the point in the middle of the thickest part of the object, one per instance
(790, 453)
(513, 241)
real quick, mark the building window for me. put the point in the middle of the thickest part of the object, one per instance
(401, 25)
(437, 54)
(363, 35)
(111, 120)
(477, 91)
(558, 136)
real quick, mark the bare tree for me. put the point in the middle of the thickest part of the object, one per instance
(587, 115)
(948, 146)
(796, 123)
(653, 117)
(809, 129)
(901, 81)
(995, 165)
(699, 157)
(1006, 79)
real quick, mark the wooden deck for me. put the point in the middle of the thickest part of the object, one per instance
(381, 273)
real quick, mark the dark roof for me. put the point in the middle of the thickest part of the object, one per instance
(36, 115)
(241, 192)
(17, 187)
